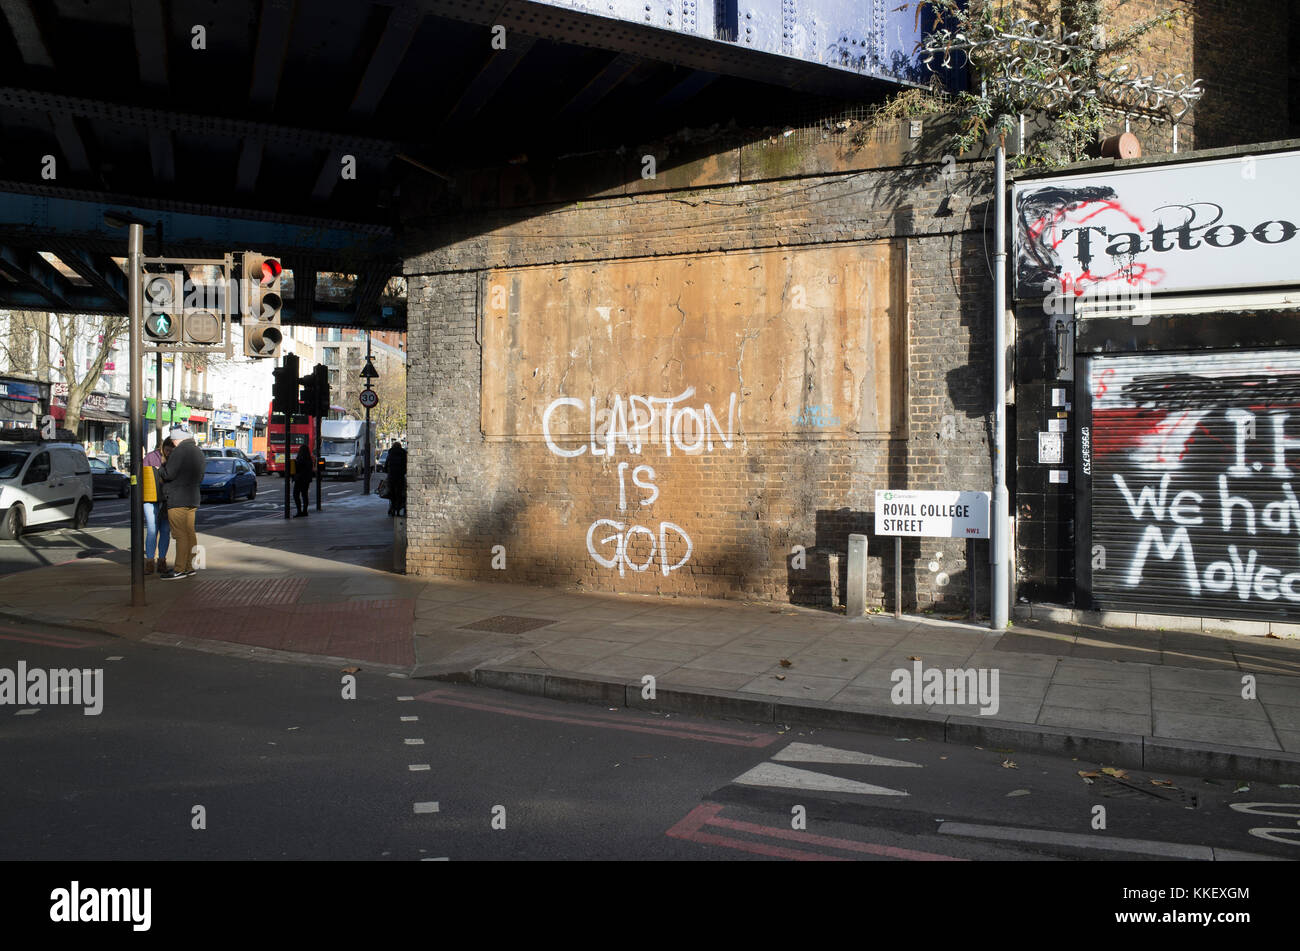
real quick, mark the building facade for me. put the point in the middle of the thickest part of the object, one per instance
(694, 385)
(1157, 368)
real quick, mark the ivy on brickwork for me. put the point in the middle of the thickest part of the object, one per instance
(1041, 59)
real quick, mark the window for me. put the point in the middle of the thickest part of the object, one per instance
(39, 470)
(11, 460)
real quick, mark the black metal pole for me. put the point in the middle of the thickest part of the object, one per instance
(288, 459)
(316, 461)
(368, 438)
(157, 402)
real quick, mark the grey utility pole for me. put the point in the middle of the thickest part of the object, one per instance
(999, 596)
(135, 426)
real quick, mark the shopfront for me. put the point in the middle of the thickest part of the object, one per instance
(103, 429)
(1158, 388)
(225, 429)
(22, 403)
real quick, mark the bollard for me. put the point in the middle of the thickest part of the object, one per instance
(855, 598)
(399, 544)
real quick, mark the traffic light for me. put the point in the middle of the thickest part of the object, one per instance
(163, 296)
(316, 391)
(262, 304)
(284, 391)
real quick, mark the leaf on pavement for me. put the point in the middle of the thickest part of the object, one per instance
(1018, 792)
(913, 658)
(786, 663)
(1089, 774)
(1162, 782)
(349, 670)
(1115, 771)
(780, 676)
(1008, 764)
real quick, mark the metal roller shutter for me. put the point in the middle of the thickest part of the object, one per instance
(1190, 483)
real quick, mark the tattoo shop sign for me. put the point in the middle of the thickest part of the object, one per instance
(1230, 223)
(932, 514)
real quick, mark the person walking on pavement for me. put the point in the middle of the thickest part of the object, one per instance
(304, 469)
(182, 475)
(156, 527)
(395, 467)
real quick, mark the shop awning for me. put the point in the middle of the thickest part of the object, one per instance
(89, 413)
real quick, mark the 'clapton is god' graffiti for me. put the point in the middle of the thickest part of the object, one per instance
(615, 426)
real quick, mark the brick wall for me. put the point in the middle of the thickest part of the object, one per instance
(745, 508)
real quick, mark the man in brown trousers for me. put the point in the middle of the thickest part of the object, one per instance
(181, 476)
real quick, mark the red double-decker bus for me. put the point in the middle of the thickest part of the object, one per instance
(302, 429)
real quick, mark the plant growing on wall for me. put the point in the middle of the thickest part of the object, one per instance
(1055, 61)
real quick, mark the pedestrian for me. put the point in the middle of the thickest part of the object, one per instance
(156, 527)
(303, 472)
(182, 475)
(395, 467)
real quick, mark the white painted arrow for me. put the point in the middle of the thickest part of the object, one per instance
(769, 774)
(814, 753)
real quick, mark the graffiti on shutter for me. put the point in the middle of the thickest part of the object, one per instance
(1195, 489)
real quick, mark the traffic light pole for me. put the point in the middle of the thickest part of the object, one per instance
(288, 458)
(316, 461)
(135, 425)
(158, 401)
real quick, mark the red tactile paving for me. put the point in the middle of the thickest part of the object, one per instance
(381, 632)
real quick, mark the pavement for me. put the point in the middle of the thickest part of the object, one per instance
(318, 590)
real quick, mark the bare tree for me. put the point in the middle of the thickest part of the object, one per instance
(26, 347)
(100, 333)
(389, 417)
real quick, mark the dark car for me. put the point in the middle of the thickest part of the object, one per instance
(108, 481)
(258, 459)
(381, 461)
(228, 479)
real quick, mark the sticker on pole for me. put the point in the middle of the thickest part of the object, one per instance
(369, 399)
(932, 514)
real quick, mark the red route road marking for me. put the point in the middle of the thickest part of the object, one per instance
(690, 828)
(46, 640)
(686, 731)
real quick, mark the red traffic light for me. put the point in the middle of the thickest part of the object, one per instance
(270, 271)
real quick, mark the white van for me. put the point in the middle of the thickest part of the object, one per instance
(42, 483)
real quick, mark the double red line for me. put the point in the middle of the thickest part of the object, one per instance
(692, 827)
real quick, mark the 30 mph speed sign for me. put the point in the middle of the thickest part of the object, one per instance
(369, 399)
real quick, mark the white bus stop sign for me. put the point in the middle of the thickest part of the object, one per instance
(932, 514)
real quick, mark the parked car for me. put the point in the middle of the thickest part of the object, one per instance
(227, 479)
(226, 452)
(108, 481)
(41, 483)
(258, 459)
(381, 461)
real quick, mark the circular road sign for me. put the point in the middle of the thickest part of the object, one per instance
(369, 399)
